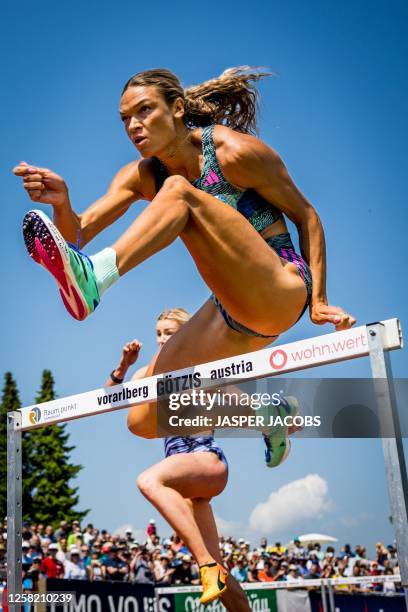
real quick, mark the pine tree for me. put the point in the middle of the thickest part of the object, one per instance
(50, 469)
(10, 401)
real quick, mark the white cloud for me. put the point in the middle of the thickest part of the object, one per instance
(306, 498)
(226, 528)
(354, 521)
(138, 534)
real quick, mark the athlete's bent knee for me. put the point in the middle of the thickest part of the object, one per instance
(177, 184)
(147, 484)
(138, 428)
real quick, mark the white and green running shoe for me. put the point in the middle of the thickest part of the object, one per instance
(276, 438)
(72, 270)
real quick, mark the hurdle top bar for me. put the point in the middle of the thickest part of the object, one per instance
(272, 361)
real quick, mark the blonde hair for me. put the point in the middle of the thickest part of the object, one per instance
(230, 99)
(175, 314)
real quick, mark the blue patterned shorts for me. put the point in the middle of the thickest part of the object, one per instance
(174, 445)
(282, 244)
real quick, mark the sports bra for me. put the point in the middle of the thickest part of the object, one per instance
(249, 203)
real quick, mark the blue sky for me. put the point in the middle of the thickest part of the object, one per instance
(336, 114)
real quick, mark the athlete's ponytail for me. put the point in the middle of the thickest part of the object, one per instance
(230, 99)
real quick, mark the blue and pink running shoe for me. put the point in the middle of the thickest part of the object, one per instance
(276, 438)
(72, 270)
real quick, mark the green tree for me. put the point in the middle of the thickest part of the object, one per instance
(50, 470)
(10, 401)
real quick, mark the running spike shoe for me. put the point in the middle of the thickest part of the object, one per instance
(214, 579)
(72, 270)
(276, 438)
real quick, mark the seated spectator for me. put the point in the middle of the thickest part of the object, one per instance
(62, 531)
(142, 568)
(153, 542)
(116, 569)
(275, 564)
(26, 558)
(62, 549)
(253, 571)
(183, 573)
(128, 536)
(33, 575)
(360, 552)
(35, 543)
(26, 533)
(171, 557)
(278, 549)
(88, 535)
(228, 546)
(85, 555)
(297, 550)
(48, 536)
(254, 566)
(389, 587)
(50, 566)
(328, 571)
(381, 553)
(302, 569)
(314, 572)
(176, 543)
(105, 536)
(96, 571)
(293, 573)
(74, 567)
(163, 572)
(263, 545)
(240, 571)
(36, 552)
(266, 575)
(392, 556)
(96, 547)
(75, 537)
(329, 553)
(125, 555)
(105, 551)
(317, 549)
(346, 551)
(375, 569)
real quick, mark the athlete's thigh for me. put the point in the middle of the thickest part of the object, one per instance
(193, 475)
(244, 272)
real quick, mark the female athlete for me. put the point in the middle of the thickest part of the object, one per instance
(220, 189)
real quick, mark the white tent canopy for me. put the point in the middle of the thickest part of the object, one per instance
(310, 538)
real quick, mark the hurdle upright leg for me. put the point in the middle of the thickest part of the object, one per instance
(14, 508)
(395, 466)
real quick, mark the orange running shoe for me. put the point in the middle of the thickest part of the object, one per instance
(214, 579)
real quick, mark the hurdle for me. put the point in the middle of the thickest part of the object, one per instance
(373, 340)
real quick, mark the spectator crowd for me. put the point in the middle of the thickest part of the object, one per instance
(91, 554)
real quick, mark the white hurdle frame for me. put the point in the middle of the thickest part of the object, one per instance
(374, 340)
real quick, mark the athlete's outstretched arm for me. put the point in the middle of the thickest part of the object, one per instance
(46, 187)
